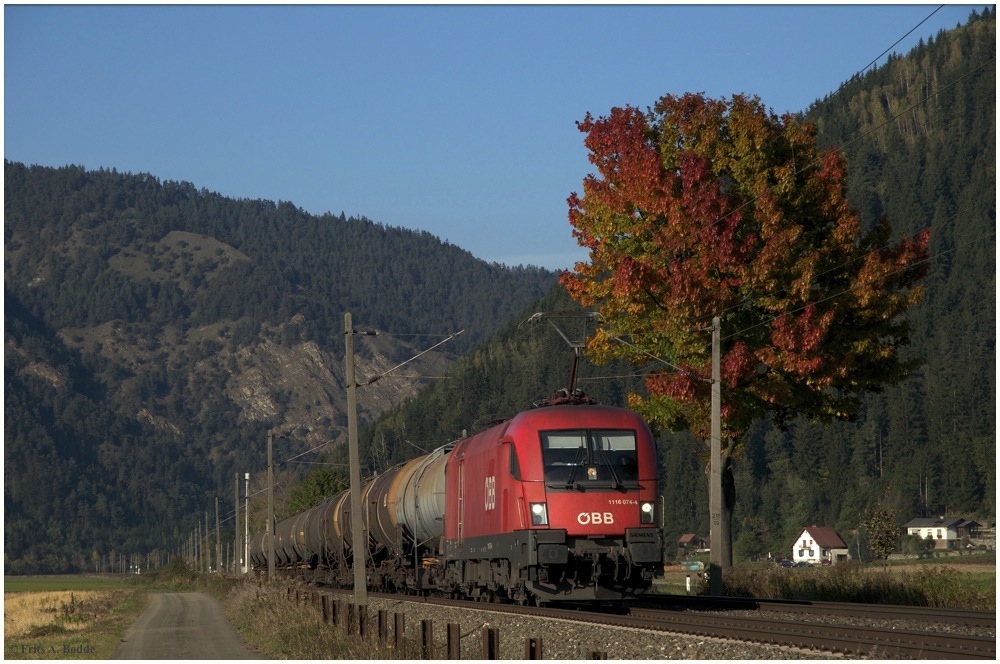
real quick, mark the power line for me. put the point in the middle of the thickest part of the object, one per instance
(793, 311)
(865, 68)
(869, 282)
(374, 380)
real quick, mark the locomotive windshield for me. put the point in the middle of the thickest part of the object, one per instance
(582, 457)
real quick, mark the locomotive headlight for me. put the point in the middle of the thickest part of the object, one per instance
(539, 514)
(646, 513)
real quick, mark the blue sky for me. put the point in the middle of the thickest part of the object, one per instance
(454, 119)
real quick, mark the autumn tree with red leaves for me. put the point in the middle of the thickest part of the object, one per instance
(704, 208)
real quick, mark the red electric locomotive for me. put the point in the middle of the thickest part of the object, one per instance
(558, 503)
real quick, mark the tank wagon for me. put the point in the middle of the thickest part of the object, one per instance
(556, 504)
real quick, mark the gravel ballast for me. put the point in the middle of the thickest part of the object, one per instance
(567, 640)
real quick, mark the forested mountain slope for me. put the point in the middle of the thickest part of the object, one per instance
(154, 332)
(920, 138)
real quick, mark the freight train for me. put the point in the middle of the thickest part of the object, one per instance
(556, 504)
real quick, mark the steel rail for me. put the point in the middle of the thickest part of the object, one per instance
(971, 617)
(848, 639)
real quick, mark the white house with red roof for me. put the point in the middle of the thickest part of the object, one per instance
(816, 544)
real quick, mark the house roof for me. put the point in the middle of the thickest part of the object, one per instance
(686, 539)
(933, 523)
(825, 537)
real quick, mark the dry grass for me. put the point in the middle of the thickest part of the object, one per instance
(922, 585)
(277, 628)
(68, 624)
(30, 614)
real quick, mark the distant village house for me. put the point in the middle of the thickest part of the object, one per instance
(817, 544)
(944, 532)
(691, 543)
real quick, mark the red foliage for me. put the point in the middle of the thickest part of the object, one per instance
(716, 207)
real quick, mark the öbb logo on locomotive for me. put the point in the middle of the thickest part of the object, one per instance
(596, 518)
(555, 504)
(491, 492)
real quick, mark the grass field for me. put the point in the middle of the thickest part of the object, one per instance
(68, 617)
(16, 584)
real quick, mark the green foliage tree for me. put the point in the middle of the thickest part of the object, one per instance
(883, 533)
(317, 485)
(706, 208)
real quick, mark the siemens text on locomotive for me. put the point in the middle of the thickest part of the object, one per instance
(556, 504)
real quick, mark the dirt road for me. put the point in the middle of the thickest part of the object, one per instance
(183, 626)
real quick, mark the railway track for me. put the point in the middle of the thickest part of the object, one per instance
(754, 621)
(867, 611)
(868, 641)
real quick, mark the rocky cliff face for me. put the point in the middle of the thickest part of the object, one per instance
(295, 387)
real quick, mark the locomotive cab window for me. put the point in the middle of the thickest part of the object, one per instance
(596, 458)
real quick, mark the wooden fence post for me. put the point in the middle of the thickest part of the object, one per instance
(383, 625)
(427, 639)
(362, 611)
(491, 643)
(454, 641)
(399, 626)
(343, 619)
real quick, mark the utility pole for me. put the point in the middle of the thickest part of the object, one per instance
(246, 524)
(218, 540)
(357, 525)
(207, 557)
(236, 521)
(270, 506)
(715, 475)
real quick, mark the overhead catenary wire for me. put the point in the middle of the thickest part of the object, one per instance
(374, 380)
(879, 57)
